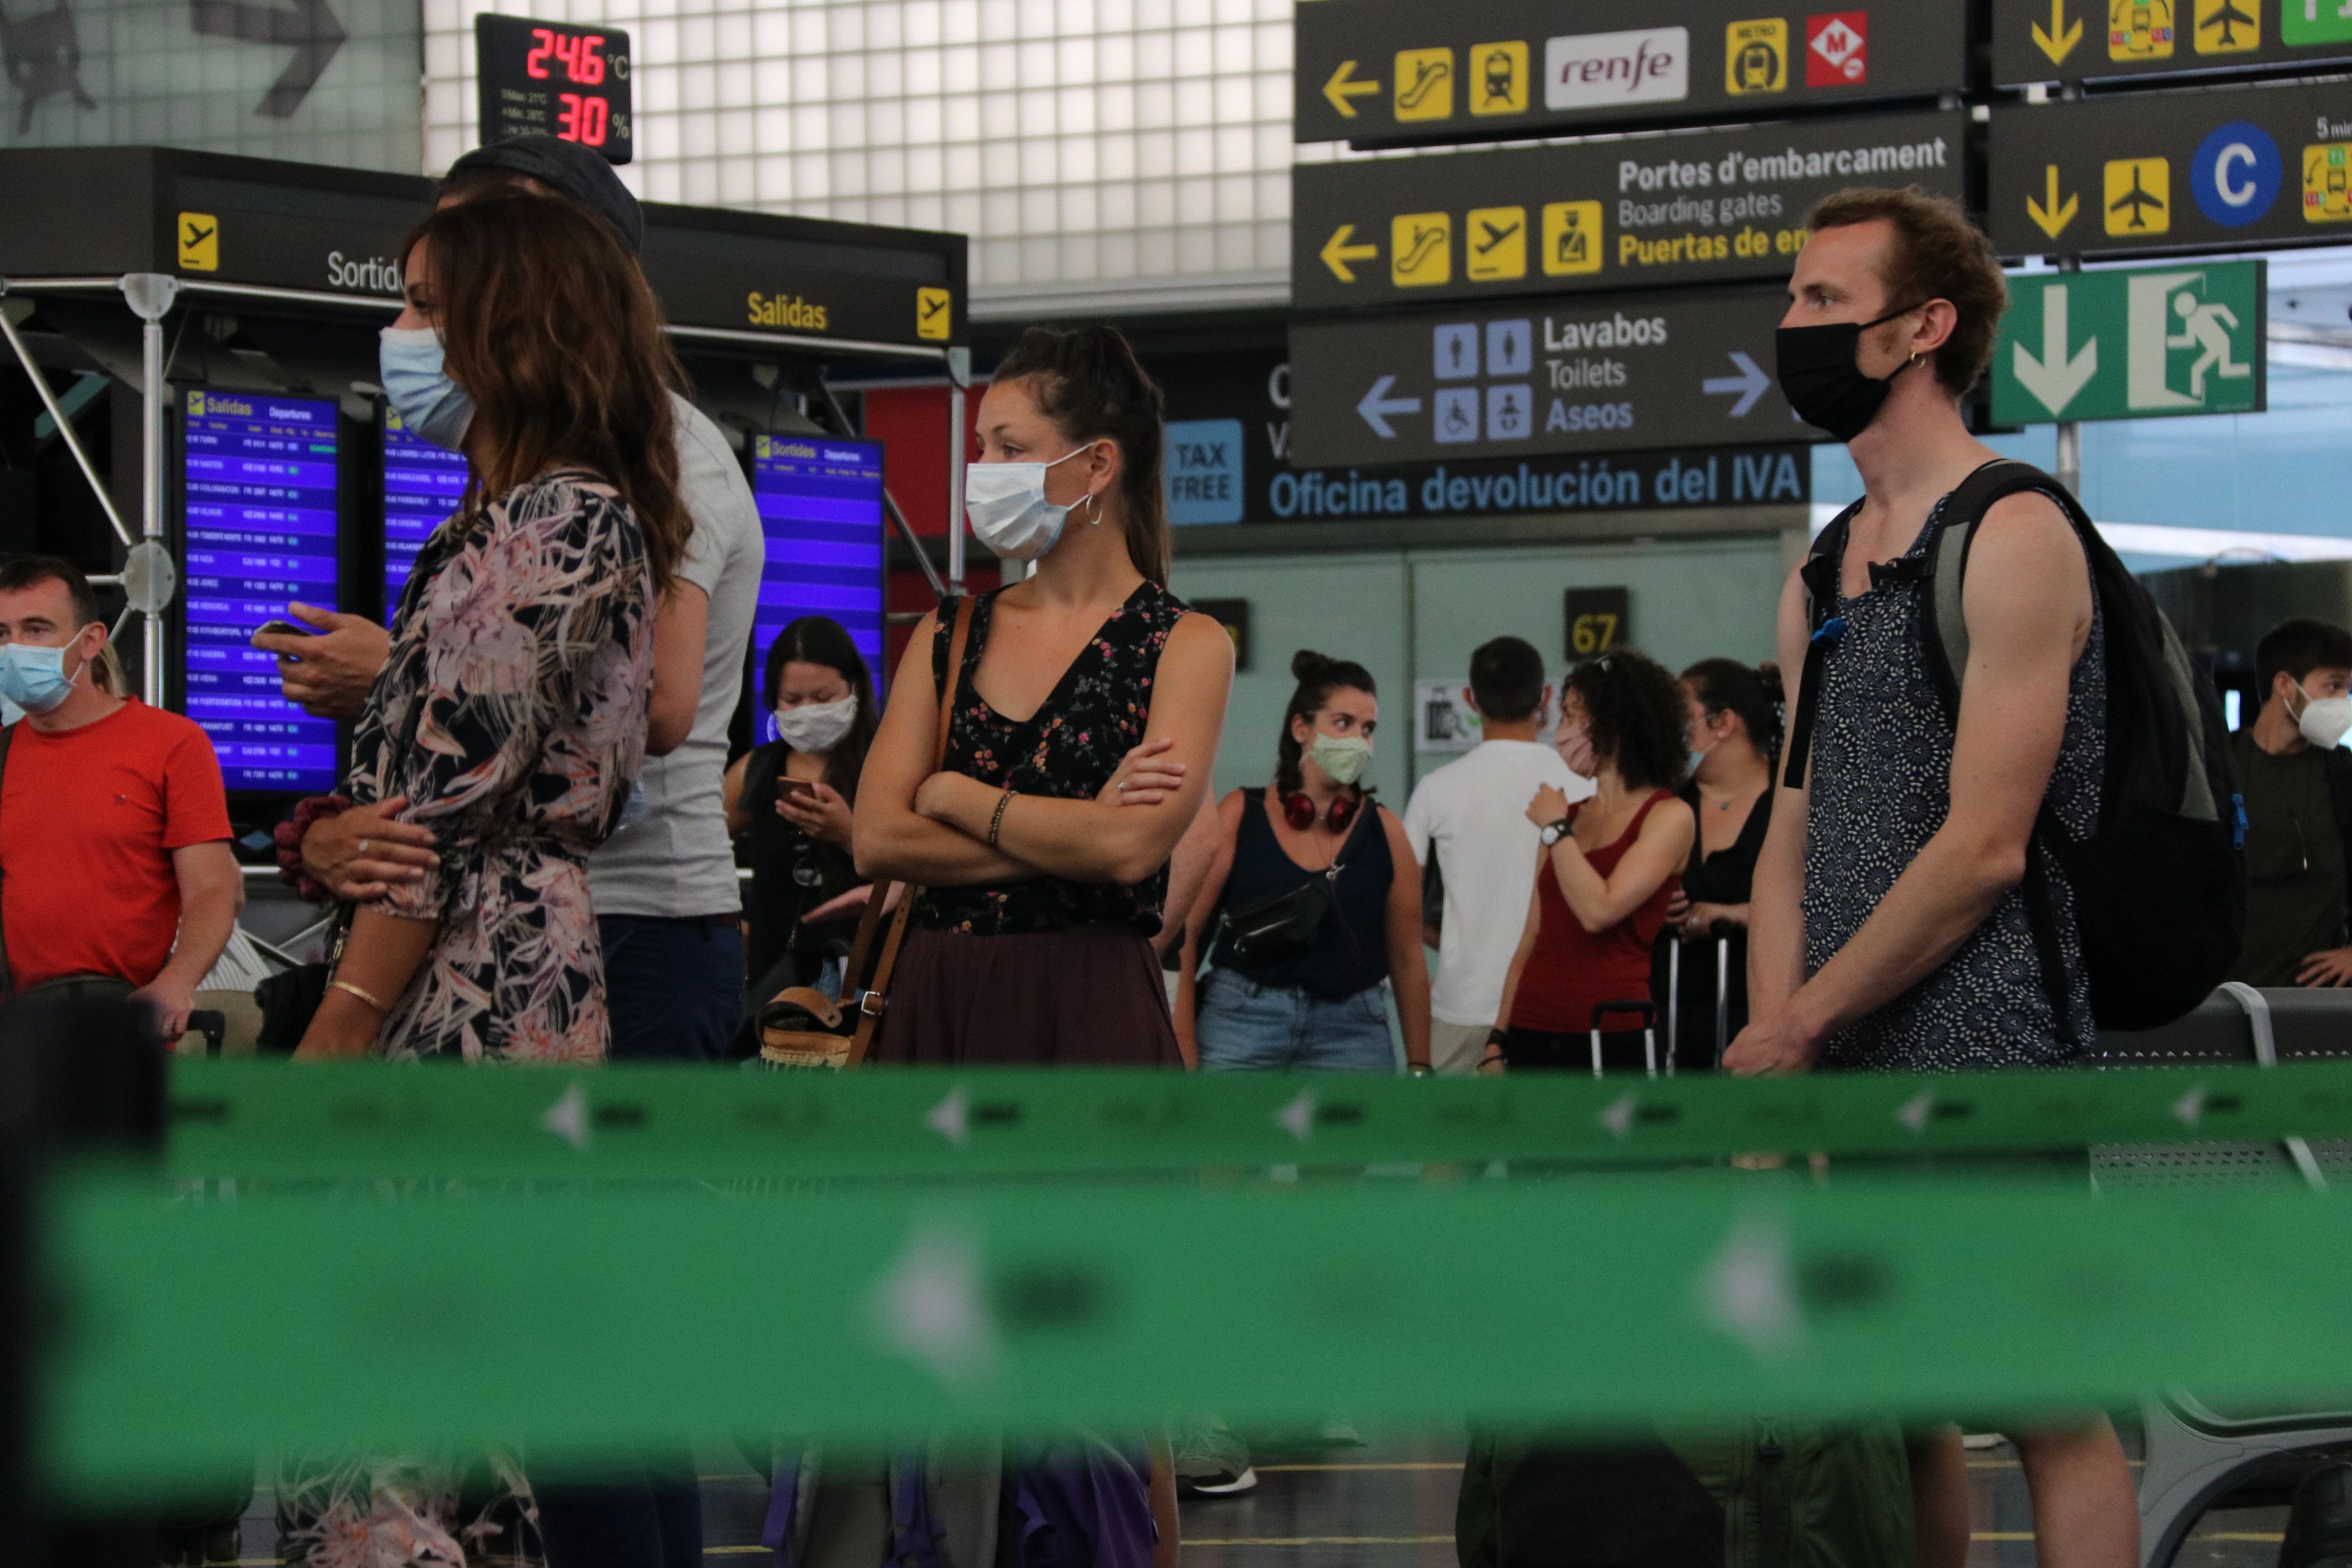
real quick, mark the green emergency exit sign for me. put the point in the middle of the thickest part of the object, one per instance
(2134, 343)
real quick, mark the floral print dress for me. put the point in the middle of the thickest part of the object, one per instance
(511, 712)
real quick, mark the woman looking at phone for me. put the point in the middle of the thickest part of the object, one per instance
(789, 808)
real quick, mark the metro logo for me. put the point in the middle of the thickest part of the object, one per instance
(1641, 65)
(1837, 49)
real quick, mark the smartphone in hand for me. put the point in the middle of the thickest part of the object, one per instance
(284, 628)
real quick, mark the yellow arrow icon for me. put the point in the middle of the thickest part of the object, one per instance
(2052, 214)
(1344, 86)
(2059, 41)
(1337, 253)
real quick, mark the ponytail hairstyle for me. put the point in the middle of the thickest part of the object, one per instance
(1318, 678)
(1638, 718)
(1755, 696)
(1089, 383)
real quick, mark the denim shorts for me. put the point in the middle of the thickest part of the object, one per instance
(1244, 1026)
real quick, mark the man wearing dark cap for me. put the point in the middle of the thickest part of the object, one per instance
(666, 899)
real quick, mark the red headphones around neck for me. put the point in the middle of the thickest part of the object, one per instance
(1298, 810)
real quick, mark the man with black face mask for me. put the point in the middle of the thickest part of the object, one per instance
(1888, 931)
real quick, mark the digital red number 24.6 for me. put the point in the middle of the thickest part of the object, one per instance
(581, 53)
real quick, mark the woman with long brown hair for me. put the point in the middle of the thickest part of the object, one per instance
(510, 716)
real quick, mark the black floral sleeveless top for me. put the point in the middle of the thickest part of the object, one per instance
(1091, 720)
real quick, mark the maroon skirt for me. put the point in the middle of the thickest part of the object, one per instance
(1093, 995)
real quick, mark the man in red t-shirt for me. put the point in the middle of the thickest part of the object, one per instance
(114, 856)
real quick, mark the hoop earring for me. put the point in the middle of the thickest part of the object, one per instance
(1095, 517)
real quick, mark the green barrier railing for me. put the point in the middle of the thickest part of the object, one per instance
(269, 1119)
(196, 1331)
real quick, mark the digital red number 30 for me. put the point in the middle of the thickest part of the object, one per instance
(583, 119)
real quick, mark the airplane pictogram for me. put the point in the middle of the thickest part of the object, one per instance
(2229, 18)
(2139, 200)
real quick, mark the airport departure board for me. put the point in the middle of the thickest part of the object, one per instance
(821, 511)
(422, 486)
(259, 482)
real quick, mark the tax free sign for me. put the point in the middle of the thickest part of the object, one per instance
(2132, 343)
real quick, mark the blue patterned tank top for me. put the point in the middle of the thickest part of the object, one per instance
(1881, 768)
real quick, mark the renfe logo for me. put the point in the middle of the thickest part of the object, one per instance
(1837, 49)
(1597, 69)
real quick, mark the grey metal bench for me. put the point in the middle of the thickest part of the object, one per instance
(2198, 1456)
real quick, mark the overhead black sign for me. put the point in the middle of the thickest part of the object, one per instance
(1607, 214)
(2079, 40)
(555, 80)
(211, 218)
(1386, 73)
(1234, 410)
(1683, 369)
(2237, 167)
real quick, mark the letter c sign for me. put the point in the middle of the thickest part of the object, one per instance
(2236, 175)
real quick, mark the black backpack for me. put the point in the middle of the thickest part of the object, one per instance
(2160, 886)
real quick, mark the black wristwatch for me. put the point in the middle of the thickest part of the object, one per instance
(1554, 832)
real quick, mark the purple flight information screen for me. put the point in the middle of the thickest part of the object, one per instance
(258, 478)
(422, 486)
(821, 509)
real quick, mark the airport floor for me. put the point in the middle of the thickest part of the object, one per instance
(1389, 1503)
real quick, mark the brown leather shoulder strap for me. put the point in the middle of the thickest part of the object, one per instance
(869, 1007)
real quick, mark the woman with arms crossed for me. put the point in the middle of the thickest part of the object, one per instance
(1042, 845)
(1087, 716)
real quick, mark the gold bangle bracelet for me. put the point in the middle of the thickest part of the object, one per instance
(996, 823)
(368, 997)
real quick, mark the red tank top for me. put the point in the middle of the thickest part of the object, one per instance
(1573, 970)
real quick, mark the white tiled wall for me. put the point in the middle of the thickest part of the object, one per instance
(1077, 142)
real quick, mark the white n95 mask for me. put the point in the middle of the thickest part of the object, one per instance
(1009, 511)
(2324, 720)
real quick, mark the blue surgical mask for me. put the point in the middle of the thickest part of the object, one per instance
(419, 388)
(34, 677)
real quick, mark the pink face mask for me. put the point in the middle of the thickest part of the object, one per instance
(1575, 745)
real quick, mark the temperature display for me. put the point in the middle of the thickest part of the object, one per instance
(555, 80)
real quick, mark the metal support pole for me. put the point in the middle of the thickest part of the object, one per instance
(959, 380)
(150, 295)
(65, 427)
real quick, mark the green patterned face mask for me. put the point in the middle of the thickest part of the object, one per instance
(1345, 759)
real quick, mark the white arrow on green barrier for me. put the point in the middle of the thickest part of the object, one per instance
(2055, 378)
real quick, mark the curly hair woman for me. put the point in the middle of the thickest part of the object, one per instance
(1610, 866)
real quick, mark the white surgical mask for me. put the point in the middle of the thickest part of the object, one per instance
(1009, 511)
(817, 726)
(2324, 720)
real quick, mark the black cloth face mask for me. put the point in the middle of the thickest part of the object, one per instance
(1822, 381)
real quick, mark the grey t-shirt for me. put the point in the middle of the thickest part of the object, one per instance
(677, 860)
